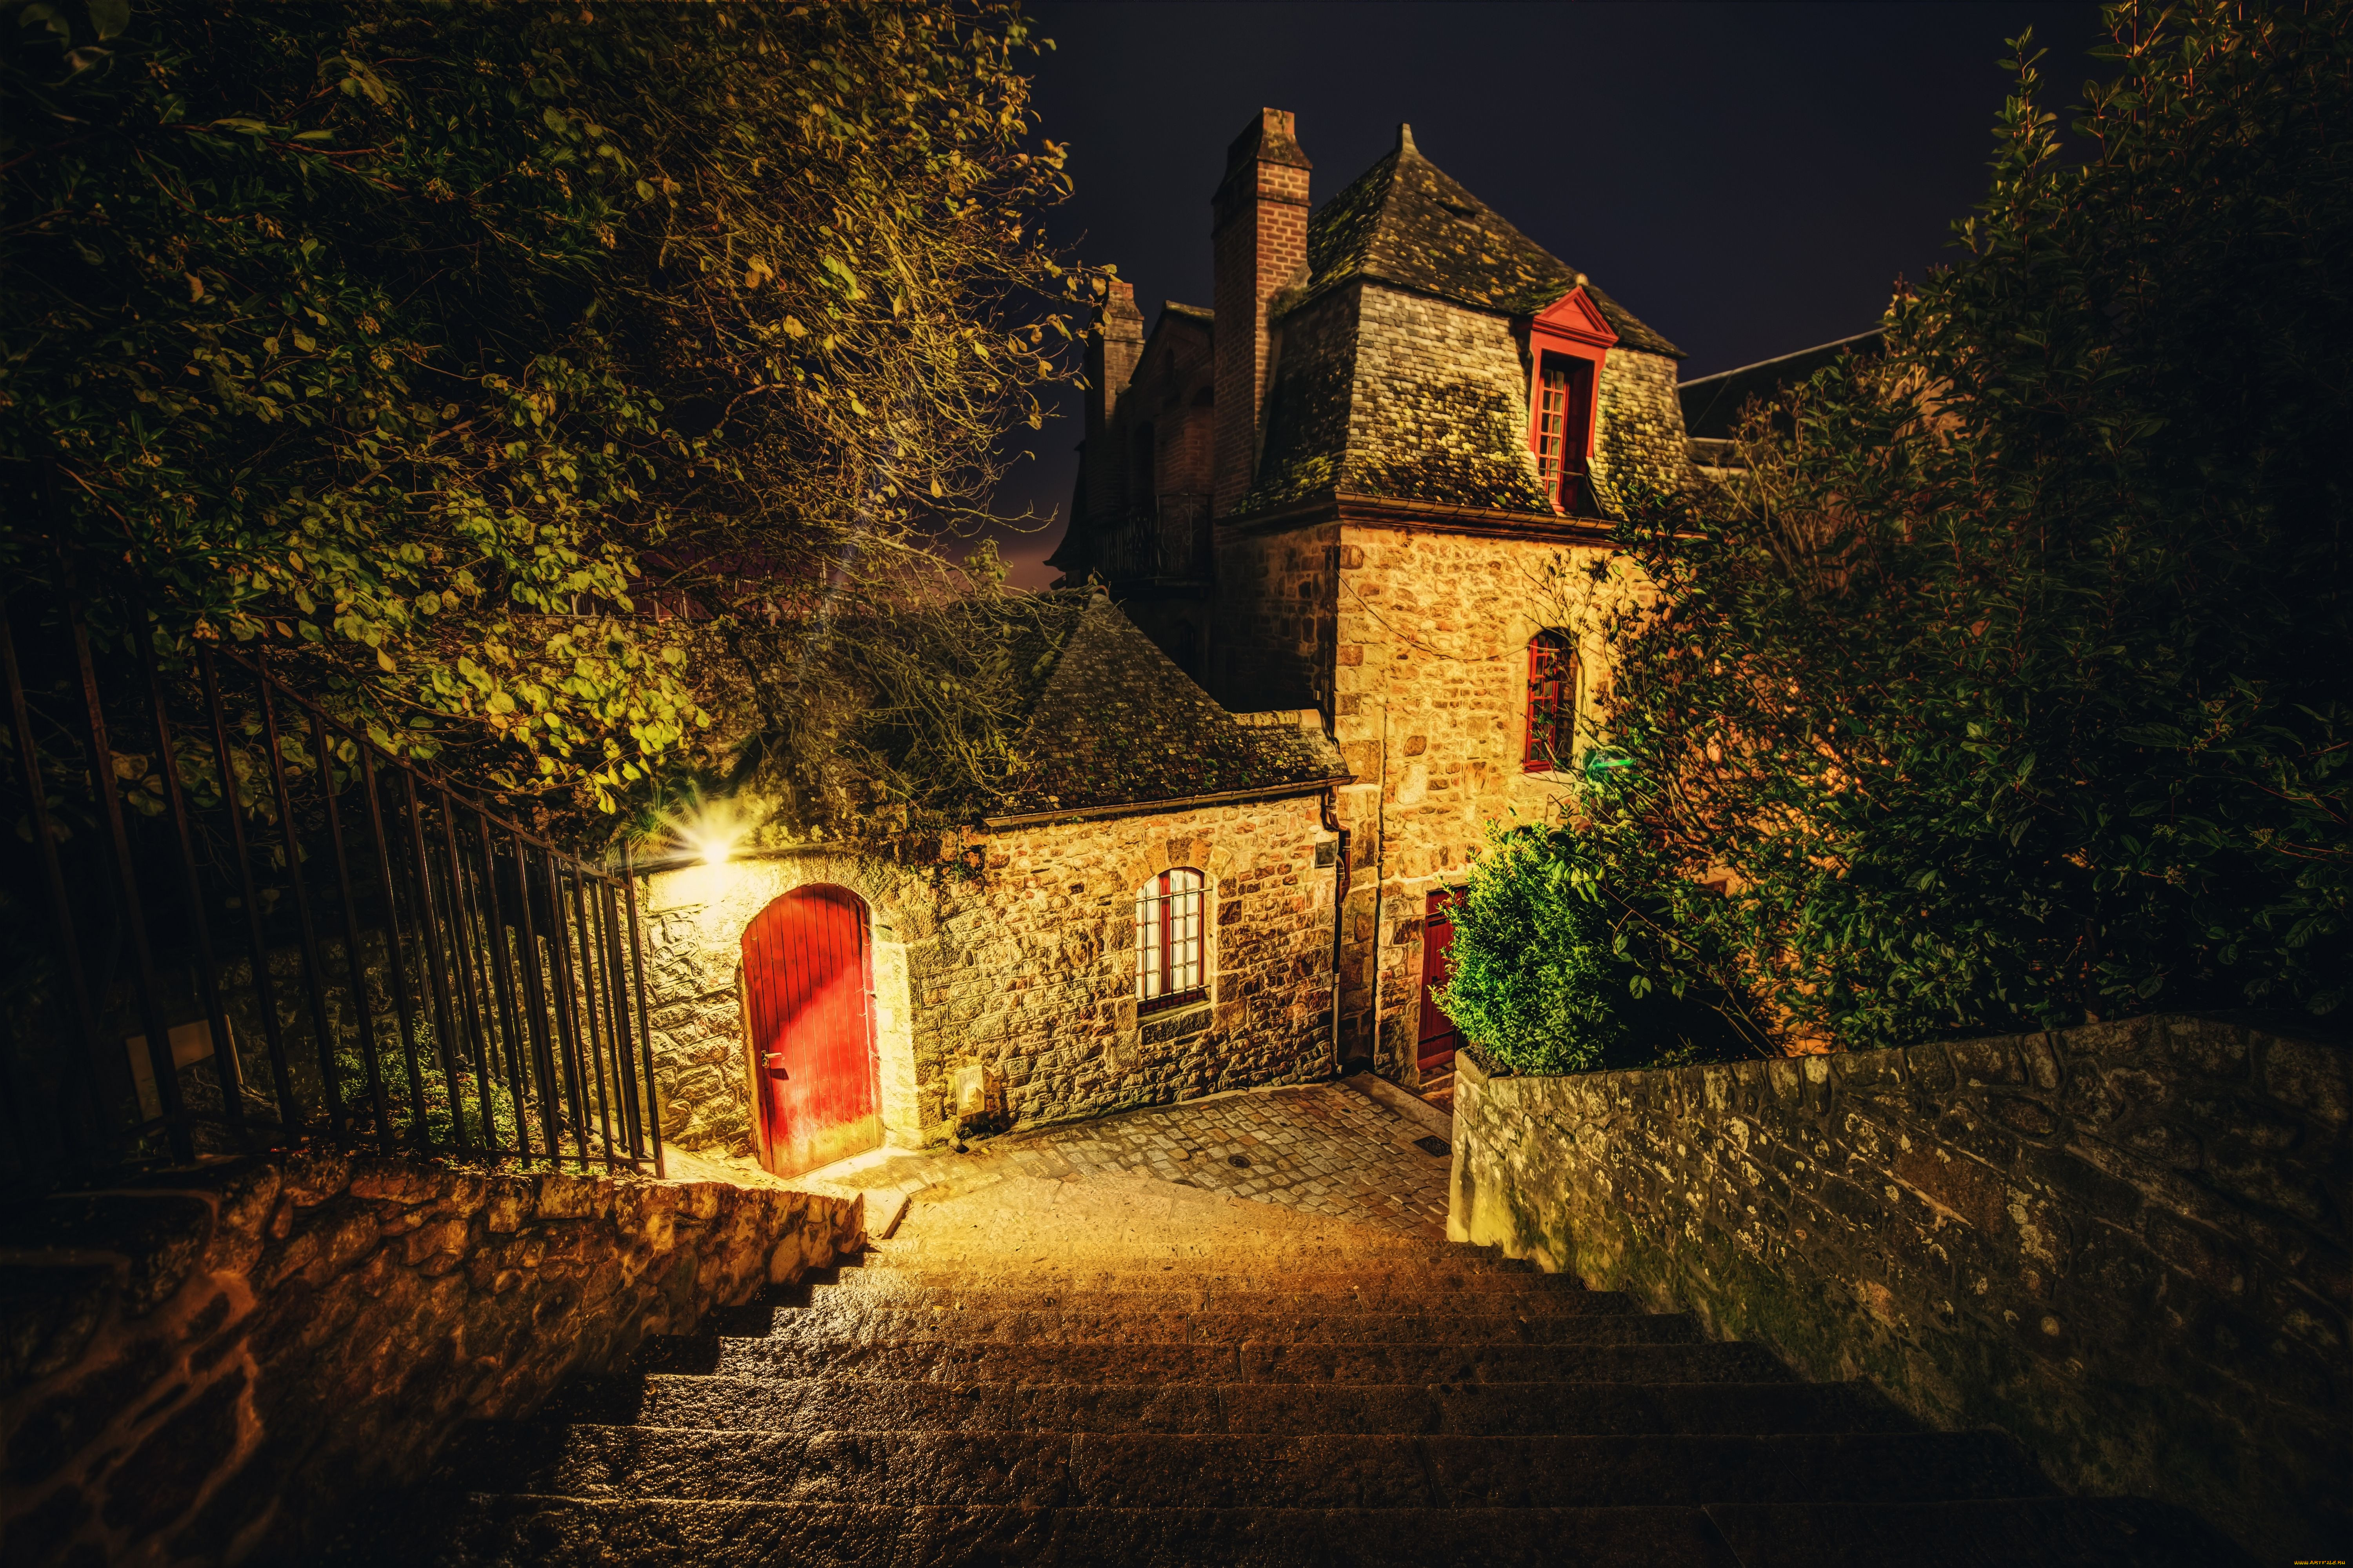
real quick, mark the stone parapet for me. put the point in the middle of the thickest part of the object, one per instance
(2125, 1244)
(216, 1364)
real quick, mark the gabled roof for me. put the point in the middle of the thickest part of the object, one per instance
(1712, 403)
(1406, 221)
(1118, 724)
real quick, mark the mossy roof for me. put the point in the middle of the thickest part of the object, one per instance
(1407, 222)
(1118, 724)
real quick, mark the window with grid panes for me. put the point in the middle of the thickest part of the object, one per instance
(1552, 702)
(1562, 418)
(1171, 940)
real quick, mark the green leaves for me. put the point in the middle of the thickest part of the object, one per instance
(410, 349)
(2008, 686)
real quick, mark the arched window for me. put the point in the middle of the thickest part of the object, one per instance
(1552, 702)
(1171, 940)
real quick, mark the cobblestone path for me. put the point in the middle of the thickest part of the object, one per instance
(1325, 1149)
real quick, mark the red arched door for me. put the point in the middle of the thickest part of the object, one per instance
(807, 980)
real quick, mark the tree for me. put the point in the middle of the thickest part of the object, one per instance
(476, 364)
(2010, 688)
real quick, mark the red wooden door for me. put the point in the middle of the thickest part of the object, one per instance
(808, 977)
(1439, 1035)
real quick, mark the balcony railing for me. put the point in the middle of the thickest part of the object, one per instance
(1171, 543)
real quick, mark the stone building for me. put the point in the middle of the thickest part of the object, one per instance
(1150, 918)
(1349, 527)
(1368, 483)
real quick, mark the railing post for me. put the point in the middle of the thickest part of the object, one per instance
(289, 1109)
(313, 975)
(354, 956)
(176, 1132)
(645, 1029)
(395, 956)
(503, 987)
(61, 925)
(462, 933)
(224, 1062)
(437, 967)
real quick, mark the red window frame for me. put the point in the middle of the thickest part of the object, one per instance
(1568, 345)
(1172, 940)
(1550, 733)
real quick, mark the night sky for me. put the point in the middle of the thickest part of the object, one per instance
(1748, 179)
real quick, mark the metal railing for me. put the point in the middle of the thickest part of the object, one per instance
(238, 922)
(1171, 541)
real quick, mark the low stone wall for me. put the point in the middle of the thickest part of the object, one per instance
(2125, 1244)
(213, 1366)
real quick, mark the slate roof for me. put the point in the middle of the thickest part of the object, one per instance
(1406, 221)
(1118, 724)
(1712, 403)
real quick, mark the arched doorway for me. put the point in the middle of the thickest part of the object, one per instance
(809, 1018)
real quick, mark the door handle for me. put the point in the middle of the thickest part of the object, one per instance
(775, 1064)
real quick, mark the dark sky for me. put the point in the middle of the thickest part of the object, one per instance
(1748, 179)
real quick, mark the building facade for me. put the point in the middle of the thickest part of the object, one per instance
(1373, 481)
(1151, 917)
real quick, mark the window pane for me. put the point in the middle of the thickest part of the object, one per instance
(1552, 421)
(1552, 700)
(1171, 934)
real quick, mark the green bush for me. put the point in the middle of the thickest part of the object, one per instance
(1547, 970)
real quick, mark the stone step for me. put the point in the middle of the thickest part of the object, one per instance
(2068, 1532)
(1140, 1293)
(1238, 1471)
(888, 1325)
(846, 1405)
(1259, 1254)
(965, 1361)
(565, 1532)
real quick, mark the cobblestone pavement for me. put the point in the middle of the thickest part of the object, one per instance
(1320, 1149)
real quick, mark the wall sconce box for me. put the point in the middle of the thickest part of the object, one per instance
(191, 1042)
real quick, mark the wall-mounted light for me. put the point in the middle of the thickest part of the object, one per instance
(712, 833)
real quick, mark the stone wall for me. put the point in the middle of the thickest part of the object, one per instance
(2125, 1244)
(1432, 691)
(1638, 430)
(1019, 957)
(216, 1364)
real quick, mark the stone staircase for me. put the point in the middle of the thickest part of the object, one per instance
(956, 1400)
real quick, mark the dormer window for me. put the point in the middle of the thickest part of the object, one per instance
(1569, 342)
(1564, 431)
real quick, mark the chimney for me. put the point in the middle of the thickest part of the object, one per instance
(1259, 240)
(1113, 349)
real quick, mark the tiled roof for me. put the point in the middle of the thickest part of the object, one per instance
(1405, 221)
(1712, 403)
(1118, 724)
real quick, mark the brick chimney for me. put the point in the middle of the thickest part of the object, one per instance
(1113, 348)
(1259, 239)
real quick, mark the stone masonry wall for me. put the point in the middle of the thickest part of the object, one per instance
(216, 1364)
(1638, 430)
(1021, 959)
(2125, 1244)
(1432, 690)
(1438, 410)
(1274, 629)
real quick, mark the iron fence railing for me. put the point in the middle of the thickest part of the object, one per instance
(234, 920)
(1171, 541)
